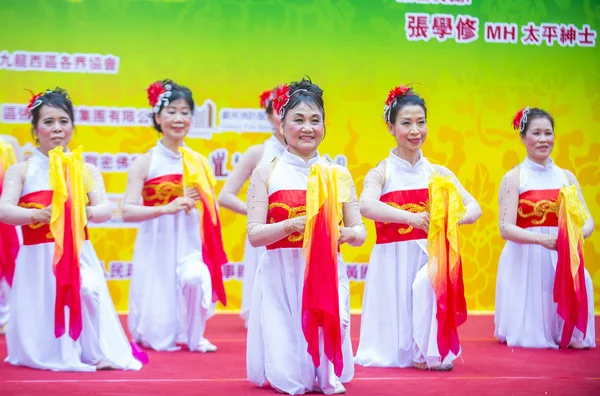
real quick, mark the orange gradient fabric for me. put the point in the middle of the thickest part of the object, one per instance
(70, 181)
(445, 267)
(328, 187)
(570, 293)
(198, 175)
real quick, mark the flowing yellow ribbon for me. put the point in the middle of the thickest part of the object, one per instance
(325, 183)
(80, 184)
(442, 192)
(575, 215)
(197, 174)
(7, 156)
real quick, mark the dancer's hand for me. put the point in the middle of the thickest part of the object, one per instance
(296, 224)
(42, 216)
(419, 220)
(179, 204)
(89, 213)
(347, 235)
(192, 193)
(547, 241)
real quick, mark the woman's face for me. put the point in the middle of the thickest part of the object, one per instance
(539, 139)
(409, 128)
(303, 129)
(54, 128)
(175, 119)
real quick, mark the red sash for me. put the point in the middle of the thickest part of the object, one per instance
(162, 190)
(283, 205)
(538, 208)
(35, 234)
(414, 201)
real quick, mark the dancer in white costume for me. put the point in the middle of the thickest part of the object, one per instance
(526, 314)
(255, 156)
(9, 235)
(399, 325)
(171, 293)
(25, 201)
(276, 347)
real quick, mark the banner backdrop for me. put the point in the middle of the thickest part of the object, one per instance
(475, 62)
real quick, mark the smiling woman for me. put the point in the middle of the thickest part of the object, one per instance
(284, 292)
(178, 252)
(396, 197)
(52, 271)
(526, 311)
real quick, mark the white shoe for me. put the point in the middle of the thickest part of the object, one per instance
(575, 345)
(439, 367)
(339, 388)
(104, 364)
(206, 346)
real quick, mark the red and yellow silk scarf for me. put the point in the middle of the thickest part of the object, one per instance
(444, 267)
(198, 175)
(328, 187)
(569, 282)
(70, 181)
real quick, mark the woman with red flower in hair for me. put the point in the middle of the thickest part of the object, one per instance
(544, 295)
(402, 298)
(10, 153)
(299, 327)
(178, 252)
(62, 315)
(256, 155)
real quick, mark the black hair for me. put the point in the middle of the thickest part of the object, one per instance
(57, 98)
(269, 109)
(304, 92)
(533, 114)
(177, 92)
(410, 99)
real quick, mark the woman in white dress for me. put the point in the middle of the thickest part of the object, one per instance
(277, 199)
(399, 325)
(176, 277)
(37, 336)
(9, 239)
(526, 313)
(256, 155)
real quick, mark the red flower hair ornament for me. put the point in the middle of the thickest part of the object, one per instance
(399, 91)
(266, 97)
(158, 95)
(282, 97)
(520, 119)
(36, 99)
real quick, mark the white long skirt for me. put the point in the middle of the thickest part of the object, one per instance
(170, 295)
(525, 309)
(399, 324)
(276, 347)
(251, 258)
(30, 337)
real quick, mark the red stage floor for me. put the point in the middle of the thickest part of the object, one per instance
(485, 368)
